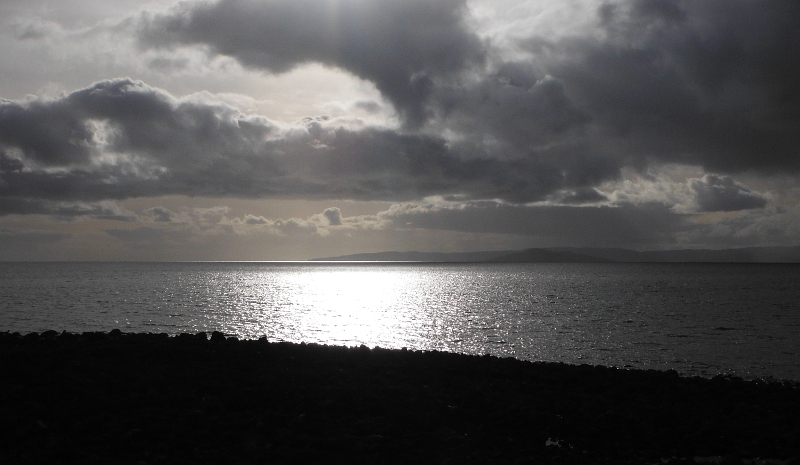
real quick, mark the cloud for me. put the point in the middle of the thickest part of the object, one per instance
(579, 197)
(252, 219)
(279, 227)
(66, 210)
(400, 46)
(629, 225)
(710, 83)
(723, 194)
(122, 139)
(162, 215)
(214, 221)
(333, 215)
(528, 129)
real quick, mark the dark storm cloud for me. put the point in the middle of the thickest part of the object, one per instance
(710, 83)
(51, 133)
(401, 46)
(514, 107)
(723, 194)
(121, 139)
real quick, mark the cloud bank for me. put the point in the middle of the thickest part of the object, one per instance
(709, 83)
(623, 121)
(401, 46)
(121, 139)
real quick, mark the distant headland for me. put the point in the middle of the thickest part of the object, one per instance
(586, 255)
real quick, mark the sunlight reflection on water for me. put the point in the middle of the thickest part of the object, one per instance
(348, 305)
(698, 319)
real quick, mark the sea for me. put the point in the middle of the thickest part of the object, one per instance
(698, 319)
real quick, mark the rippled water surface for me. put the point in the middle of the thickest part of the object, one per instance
(696, 318)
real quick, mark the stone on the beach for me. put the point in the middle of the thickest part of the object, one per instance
(217, 336)
(136, 398)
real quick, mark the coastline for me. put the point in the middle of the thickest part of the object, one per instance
(149, 398)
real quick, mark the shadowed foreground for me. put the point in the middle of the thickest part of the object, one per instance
(153, 399)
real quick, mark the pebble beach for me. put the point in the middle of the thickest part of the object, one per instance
(131, 398)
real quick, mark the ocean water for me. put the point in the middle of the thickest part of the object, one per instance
(699, 319)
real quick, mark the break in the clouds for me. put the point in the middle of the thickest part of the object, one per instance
(642, 122)
(401, 46)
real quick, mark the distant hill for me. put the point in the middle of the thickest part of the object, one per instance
(550, 256)
(740, 255)
(586, 255)
(452, 257)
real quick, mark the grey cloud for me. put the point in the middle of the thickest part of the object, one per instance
(579, 197)
(401, 46)
(295, 226)
(51, 133)
(315, 224)
(520, 111)
(334, 216)
(704, 83)
(65, 210)
(104, 210)
(252, 219)
(162, 215)
(120, 139)
(368, 105)
(709, 83)
(562, 225)
(140, 119)
(722, 193)
(168, 65)
(33, 31)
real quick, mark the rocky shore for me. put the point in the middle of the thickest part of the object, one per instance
(110, 398)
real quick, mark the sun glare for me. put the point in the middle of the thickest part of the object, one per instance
(342, 305)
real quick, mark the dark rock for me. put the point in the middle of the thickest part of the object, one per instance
(149, 397)
(732, 459)
(93, 336)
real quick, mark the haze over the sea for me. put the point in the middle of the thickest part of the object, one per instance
(587, 255)
(295, 129)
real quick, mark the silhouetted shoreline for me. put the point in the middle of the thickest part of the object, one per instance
(149, 398)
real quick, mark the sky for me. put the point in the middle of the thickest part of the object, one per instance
(294, 129)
